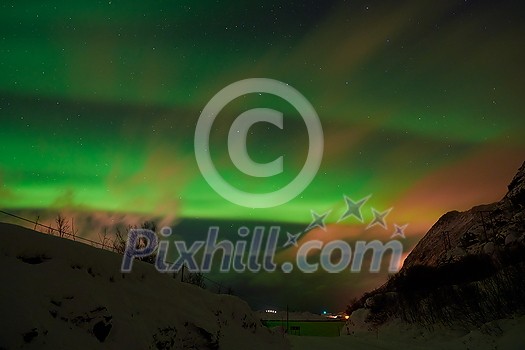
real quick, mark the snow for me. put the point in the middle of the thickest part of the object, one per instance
(296, 316)
(60, 294)
(503, 334)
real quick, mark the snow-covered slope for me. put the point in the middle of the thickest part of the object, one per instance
(60, 294)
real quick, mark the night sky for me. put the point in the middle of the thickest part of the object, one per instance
(421, 105)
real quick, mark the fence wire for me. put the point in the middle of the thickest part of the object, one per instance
(93, 243)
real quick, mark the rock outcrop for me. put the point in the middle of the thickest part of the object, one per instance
(484, 229)
(467, 270)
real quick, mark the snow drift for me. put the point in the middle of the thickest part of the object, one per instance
(61, 294)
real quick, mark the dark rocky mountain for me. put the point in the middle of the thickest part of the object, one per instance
(466, 271)
(482, 229)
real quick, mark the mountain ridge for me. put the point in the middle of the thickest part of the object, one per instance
(466, 271)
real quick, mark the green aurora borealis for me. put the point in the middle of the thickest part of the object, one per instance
(421, 104)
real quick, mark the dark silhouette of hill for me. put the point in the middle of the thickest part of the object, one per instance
(466, 271)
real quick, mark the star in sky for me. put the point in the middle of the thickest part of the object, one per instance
(318, 221)
(379, 218)
(354, 208)
(292, 239)
(399, 231)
